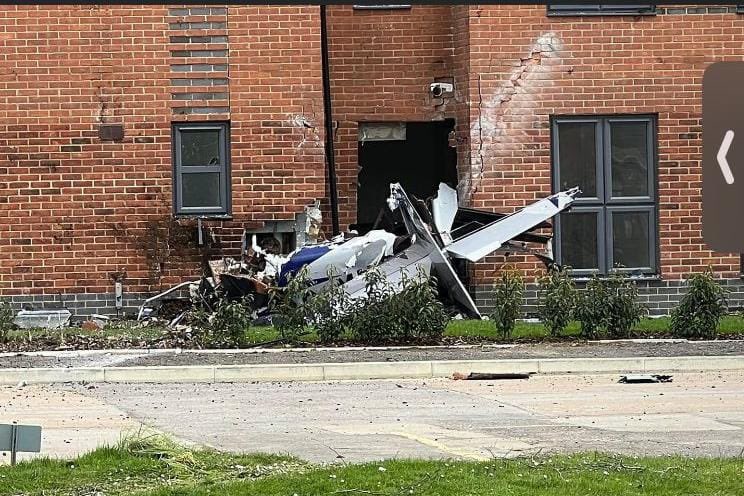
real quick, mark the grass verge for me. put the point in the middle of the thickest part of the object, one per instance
(130, 334)
(161, 468)
(139, 465)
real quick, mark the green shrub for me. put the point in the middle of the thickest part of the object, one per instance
(558, 298)
(228, 323)
(290, 306)
(328, 310)
(609, 305)
(700, 310)
(413, 314)
(221, 325)
(623, 308)
(591, 308)
(508, 294)
(6, 320)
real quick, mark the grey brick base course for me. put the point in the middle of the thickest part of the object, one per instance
(660, 296)
(81, 305)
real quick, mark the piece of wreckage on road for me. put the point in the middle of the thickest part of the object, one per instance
(431, 238)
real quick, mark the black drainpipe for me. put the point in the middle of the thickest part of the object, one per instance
(328, 111)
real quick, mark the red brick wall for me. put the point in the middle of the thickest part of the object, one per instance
(382, 62)
(531, 66)
(73, 209)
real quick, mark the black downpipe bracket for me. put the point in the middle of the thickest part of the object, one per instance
(330, 153)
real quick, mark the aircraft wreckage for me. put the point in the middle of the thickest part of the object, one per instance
(434, 238)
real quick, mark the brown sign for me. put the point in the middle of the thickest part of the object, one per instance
(723, 157)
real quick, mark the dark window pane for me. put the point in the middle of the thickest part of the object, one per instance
(579, 240)
(629, 153)
(201, 189)
(630, 232)
(200, 147)
(577, 160)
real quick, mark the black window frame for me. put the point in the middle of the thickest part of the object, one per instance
(598, 9)
(604, 205)
(222, 210)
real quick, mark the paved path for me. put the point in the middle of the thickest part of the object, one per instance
(72, 423)
(697, 414)
(143, 357)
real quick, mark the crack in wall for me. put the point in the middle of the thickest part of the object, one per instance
(490, 121)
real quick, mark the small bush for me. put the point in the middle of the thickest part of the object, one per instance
(292, 313)
(591, 308)
(413, 314)
(328, 310)
(609, 305)
(558, 298)
(6, 320)
(223, 325)
(624, 310)
(508, 293)
(700, 310)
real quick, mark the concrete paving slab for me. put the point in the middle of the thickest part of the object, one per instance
(72, 423)
(440, 418)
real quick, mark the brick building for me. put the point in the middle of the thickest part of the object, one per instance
(120, 125)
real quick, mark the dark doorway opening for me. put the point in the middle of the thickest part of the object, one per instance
(419, 162)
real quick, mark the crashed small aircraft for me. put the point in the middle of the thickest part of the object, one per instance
(434, 238)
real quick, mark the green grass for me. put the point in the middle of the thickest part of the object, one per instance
(136, 466)
(731, 326)
(182, 472)
(125, 329)
(479, 330)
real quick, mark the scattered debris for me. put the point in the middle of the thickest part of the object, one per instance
(487, 376)
(44, 319)
(644, 378)
(427, 237)
(91, 325)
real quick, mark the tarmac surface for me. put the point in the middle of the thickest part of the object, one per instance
(698, 414)
(131, 358)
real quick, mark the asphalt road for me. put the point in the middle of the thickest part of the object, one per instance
(696, 414)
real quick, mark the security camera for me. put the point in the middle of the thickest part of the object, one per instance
(439, 89)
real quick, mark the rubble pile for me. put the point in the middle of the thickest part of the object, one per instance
(433, 237)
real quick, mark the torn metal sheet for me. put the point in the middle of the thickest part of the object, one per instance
(408, 263)
(490, 238)
(488, 376)
(644, 378)
(444, 211)
(350, 258)
(146, 309)
(440, 262)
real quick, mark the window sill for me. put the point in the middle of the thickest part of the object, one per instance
(643, 278)
(204, 216)
(600, 14)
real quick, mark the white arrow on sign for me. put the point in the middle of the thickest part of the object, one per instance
(722, 162)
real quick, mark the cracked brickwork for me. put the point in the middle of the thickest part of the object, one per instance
(527, 66)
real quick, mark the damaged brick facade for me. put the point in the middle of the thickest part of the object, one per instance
(78, 212)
